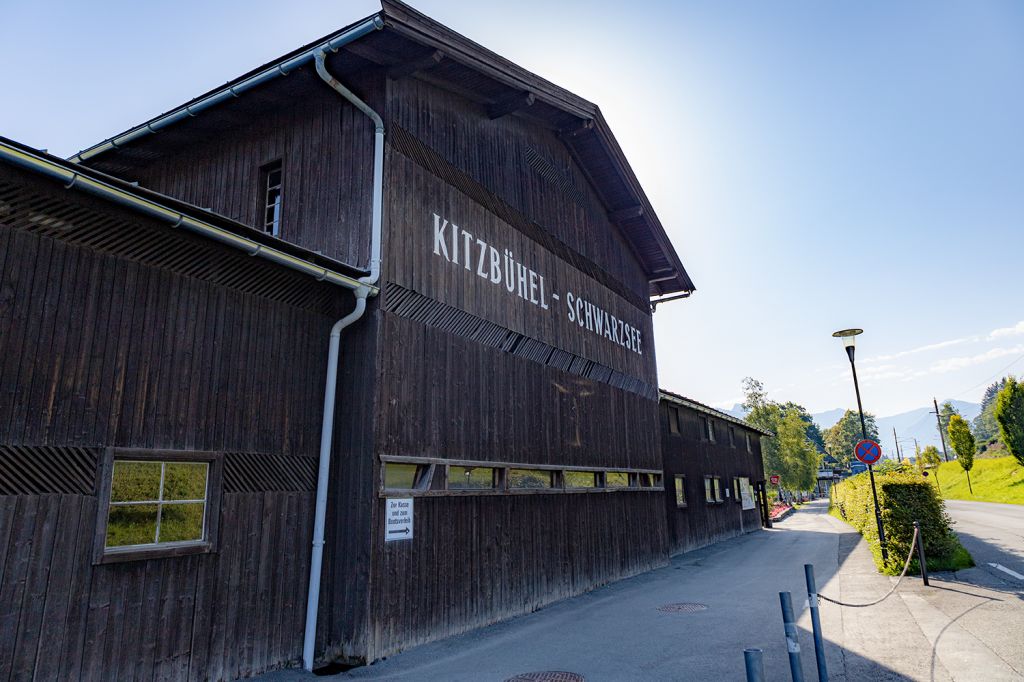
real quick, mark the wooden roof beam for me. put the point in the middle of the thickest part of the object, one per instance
(579, 127)
(627, 213)
(413, 66)
(510, 104)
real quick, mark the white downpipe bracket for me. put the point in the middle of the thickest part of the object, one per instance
(327, 431)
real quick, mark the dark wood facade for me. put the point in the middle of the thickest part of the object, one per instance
(117, 332)
(699, 443)
(124, 333)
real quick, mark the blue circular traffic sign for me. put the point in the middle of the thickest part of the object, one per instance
(868, 451)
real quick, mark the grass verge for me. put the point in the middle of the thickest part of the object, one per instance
(993, 480)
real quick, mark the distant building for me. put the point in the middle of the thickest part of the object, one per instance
(714, 474)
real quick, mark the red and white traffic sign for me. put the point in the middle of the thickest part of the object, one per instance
(868, 451)
(774, 479)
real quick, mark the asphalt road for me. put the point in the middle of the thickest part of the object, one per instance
(993, 534)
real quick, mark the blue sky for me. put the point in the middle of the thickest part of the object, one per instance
(818, 165)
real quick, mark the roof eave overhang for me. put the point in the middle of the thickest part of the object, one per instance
(663, 267)
(677, 399)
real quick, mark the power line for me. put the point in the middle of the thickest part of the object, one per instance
(989, 380)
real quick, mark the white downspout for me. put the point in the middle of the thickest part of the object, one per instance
(327, 431)
(378, 162)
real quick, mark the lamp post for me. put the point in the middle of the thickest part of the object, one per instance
(848, 337)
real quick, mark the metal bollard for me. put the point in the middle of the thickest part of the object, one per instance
(792, 642)
(920, 553)
(819, 642)
(754, 660)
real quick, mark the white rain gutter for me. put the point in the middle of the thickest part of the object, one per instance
(361, 29)
(327, 431)
(104, 190)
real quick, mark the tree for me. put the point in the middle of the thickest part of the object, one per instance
(946, 410)
(843, 436)
(790, 452)
(797, 453)
(962, 440)
(985, 425)
(930, 458)
(1009, 413)
(813, 430)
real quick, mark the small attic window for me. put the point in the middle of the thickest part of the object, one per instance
(270, 184)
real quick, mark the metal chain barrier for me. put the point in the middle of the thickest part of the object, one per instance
(906, 566)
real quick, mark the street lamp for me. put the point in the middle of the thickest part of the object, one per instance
(849, 337)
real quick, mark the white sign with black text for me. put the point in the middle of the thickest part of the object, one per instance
(398, 519)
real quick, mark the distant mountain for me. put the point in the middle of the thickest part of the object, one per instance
(826, 419)
(737, 411)
(919, 424)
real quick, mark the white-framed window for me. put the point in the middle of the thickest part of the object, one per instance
(271, 180)
(157, 503)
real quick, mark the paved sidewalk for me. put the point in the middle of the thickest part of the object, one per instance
(955, 631)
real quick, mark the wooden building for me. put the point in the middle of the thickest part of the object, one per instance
(497, 442)
(714, 474)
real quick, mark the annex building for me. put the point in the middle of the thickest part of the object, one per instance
(350, 354)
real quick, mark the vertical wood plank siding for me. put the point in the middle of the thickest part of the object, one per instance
(98, 350)
(690, 453)
(476, 560)
(325, 146)
(501, 154)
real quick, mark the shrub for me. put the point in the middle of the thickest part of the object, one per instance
(903, 498)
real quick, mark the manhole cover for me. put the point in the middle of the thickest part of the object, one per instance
(548, 676)
(683, 607)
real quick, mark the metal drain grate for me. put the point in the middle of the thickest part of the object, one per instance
(548, 676)
(683, 607)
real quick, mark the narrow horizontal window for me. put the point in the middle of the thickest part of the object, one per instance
(580, 479)
(402, 476)
(529, 478)
(471, 478)
(616, 479)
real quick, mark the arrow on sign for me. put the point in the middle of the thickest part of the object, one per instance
(396, 532)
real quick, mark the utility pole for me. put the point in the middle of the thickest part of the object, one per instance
(897, 441)
(942, 436)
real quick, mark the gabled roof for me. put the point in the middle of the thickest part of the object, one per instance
(405, 41)
(677, 399)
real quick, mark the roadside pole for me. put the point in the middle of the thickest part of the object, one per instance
(792, 641)
(819, 641)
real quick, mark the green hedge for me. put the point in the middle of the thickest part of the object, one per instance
(903, 497)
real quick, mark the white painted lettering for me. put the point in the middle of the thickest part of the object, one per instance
(439, 242)
(480, 266)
